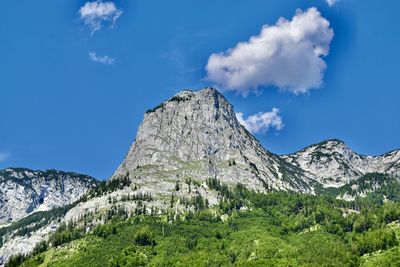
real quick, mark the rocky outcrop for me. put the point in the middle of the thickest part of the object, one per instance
(196, 135)
(23, 191)
(334, 164)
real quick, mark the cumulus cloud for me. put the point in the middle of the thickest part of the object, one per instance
(101, 59)
(261, 121)
(287, 55)
(98, 13)
(4, 156)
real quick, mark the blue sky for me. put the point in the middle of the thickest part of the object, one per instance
(73, 92)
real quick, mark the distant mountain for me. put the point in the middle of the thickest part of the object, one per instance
(23, 191)
(333, 164)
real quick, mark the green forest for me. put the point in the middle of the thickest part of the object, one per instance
(245, 229)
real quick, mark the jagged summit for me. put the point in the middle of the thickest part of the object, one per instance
(183, 96)
(176, 125)
(188, 92)
(334, 164)
(327, 143)
(330, 143)
(196, 134)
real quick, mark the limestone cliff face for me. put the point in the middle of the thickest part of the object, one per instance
(196, 135)
(23, 191)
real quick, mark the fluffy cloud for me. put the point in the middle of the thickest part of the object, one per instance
(287, 55)
(101, 59)
(96, 14)
(4, 156)
(262, 121)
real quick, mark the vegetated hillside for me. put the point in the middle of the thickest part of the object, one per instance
(189, 154)
(245, 229)
(21, 236)
(23, 191)
(379, 187)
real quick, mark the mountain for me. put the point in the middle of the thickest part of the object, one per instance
(333, 164)
(190, 153)
(23, 191)
(195, 135)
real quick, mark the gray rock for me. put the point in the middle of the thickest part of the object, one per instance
(196, 135)
(23, 191)
(334, 164)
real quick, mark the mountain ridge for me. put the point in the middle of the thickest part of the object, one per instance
(348, 164)
(191, 150)
(334, 164)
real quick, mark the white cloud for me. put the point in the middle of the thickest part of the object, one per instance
(331, 2)
(287, 55)
(261, 121)
(101, 59)
(97, 13)
(4, 156)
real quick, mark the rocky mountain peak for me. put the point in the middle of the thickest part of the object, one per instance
(331, 162)
(329, 145)
(188, 127)
(196, 134)
(334, 164)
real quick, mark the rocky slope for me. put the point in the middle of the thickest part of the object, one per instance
(334, 164)
(23, 191)
(180, 145)
(196, 135)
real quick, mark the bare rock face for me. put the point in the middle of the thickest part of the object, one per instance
(388, 163)
(334, 164)
(196, 135)
(23, 191)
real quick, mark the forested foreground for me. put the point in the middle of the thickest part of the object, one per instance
(246, 229)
